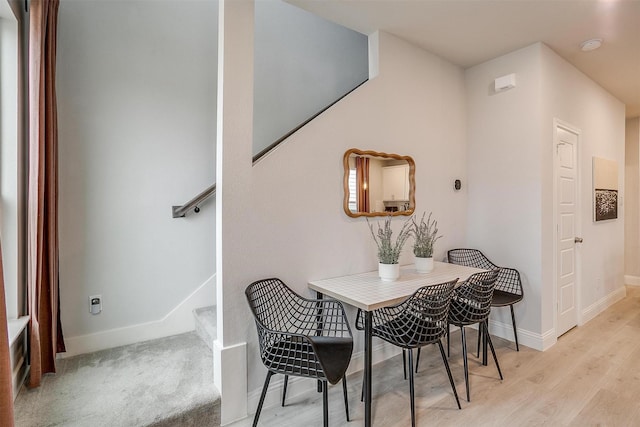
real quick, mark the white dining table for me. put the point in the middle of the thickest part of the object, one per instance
(368, 292)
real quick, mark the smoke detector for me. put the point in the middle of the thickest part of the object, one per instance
(591, 44)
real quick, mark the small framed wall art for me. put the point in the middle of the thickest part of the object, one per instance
(605, 189)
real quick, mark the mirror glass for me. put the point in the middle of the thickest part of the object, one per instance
(378, 184)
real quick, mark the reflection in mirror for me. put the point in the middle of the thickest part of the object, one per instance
(378, 184)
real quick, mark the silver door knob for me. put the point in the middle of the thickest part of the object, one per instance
(578, 240)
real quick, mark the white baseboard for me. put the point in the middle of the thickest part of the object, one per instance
(632, 280)
(601, 305)
(230, 378)
(527, 338)
(177, 321)
(547, 339)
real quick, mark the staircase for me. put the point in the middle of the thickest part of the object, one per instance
(166, 382)
(205, 319)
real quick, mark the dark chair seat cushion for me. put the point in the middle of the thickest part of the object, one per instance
(334, 354)
(314, 357)
(501, 298)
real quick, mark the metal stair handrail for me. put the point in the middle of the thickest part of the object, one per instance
(182, 210)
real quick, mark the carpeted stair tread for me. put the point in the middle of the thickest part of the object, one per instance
(205, 320)
(164, 382)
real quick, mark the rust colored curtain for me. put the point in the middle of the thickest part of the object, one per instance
(362, 183)
(45, 331)
(6, 387)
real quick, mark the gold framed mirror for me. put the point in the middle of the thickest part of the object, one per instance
(378, 184)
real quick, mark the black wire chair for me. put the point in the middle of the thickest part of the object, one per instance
(300, 337)
(418, 321)
(471, 304)
(508, 284)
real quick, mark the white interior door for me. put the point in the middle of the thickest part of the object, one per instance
(567, 220)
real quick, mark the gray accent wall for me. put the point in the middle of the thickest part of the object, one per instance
(303, 63)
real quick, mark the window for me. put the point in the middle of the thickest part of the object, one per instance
(353, 200)
(9, 192)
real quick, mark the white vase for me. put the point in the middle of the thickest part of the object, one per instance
(424, 265)
(388, 272)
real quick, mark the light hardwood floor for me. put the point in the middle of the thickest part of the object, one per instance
(591, 377)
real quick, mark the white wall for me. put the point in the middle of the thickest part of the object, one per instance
(137, 117)
(9, 155)
(233, 201)
(505, 175)
(632, 202)
(297, 228)
(511, 181)
(572, 97)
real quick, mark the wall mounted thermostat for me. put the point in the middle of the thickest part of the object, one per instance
(95, 304)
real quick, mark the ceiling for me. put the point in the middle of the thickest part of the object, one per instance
(469, 32)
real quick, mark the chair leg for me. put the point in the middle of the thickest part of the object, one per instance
(262, 396)
(485, 329)
(325, 404)
(448, 342)
(404, 362)
(466, 363)
(481, 328)
(515, 331)
(412, 394)
(284, 390)
(418, 359)
(446, 365)
(493, 351)
(479, 335)
(346, 400)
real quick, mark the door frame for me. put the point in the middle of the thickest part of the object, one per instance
(560, 124)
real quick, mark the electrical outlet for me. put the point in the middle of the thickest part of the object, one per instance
(95, 304)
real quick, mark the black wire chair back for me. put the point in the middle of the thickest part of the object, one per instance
(472, 300)
(293, 331)
(419, 320)
(508, 278)
(508, 290)
(301, 337)
(472, 304)
(416, 322)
